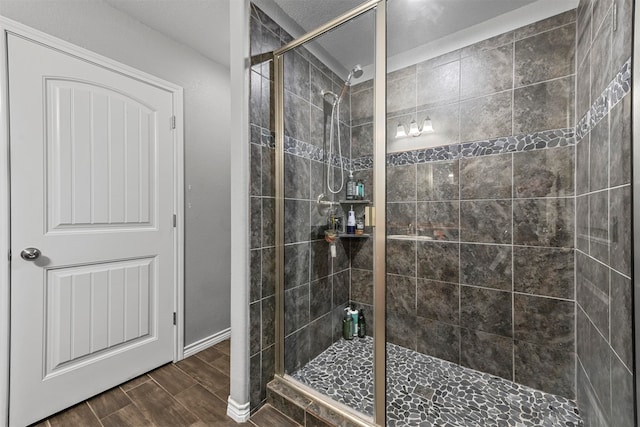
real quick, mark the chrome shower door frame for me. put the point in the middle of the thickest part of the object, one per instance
(379, 196)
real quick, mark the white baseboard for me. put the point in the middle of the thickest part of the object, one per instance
(207, 342)
(238, 412)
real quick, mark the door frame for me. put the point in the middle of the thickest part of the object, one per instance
(10, 26)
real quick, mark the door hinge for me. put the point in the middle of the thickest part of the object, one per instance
(173, 122)
(615, 17)
(175, 220)
(174, 318)
(9, 255)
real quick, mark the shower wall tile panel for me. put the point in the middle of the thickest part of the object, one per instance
(317, 287)
(603, 210)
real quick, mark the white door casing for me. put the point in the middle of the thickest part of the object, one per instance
(93, 187)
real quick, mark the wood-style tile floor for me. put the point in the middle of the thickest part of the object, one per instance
(192, 392)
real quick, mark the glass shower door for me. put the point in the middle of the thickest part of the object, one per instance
(325, 193)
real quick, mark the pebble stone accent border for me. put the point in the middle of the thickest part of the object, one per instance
(426, 391)
(619, 87)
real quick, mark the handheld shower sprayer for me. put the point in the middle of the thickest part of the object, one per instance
(356, 72)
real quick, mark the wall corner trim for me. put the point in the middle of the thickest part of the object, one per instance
(238, 412)
(206, 342)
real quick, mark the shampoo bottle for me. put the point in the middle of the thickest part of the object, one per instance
(354, 316)
(347, 325)
(351, 222)
(362, 324)
(351, 187)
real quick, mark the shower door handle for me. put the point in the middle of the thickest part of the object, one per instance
(369, 216)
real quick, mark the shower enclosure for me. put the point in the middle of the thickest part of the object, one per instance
(492, 268)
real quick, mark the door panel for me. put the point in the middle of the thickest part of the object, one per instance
(101, 157)
(92, 188)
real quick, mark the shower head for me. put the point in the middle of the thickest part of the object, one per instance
(356, 72)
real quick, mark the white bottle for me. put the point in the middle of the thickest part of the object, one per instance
(351, 222)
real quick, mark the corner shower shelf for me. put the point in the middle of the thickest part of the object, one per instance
(353, 236)
(355, 202)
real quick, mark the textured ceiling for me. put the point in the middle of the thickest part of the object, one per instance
(202, 25)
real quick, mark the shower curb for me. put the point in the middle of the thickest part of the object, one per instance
(304, 409)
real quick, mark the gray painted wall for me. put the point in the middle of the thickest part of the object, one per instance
(96, 26)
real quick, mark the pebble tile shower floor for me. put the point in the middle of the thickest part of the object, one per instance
(426, 391)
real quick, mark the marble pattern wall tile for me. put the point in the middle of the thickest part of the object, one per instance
(543, 222)
(486, 310)
(547, 105)
(362, 286)
(623, 36)
(599, 225)
(397, 325)
(487, 117)
(486, 265)
(544, 368)
(582, 166)
(401, 218)
(582, 223)
(297, 227)
(438, 301)
(620, 229)
(545, 56)
(544, 173)
(322, 333)
(296, 265)
(486, 221)
(296, 308)
(486, 72)
(622, 400)
(401, 94)
(621, 317)
(438, 181)
(268, 321)
(401, 294)
(601, 55)
(486, 177)
(438, 85)
(296, 350)
(544, 271)
(296, 74)
(488, 44)
(438, 339)
(436, 261)
(401, 257)
(486, 352)
(439, 220)
(619, 147)
(544, 321)
(401, 184)
(320, 294)
(592, 290)
(556, 21)
(599, 156)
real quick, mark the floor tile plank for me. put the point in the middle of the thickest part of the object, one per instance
(206, 406)
(135, 382)
(211, 378)
(210, 354)
(172, 379)
(268, 416)
(129, 416)
(79, 415)
(109, 402)
(159, 407)
(224, 346)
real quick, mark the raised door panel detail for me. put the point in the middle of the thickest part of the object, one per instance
(101, 148)
(92, 311)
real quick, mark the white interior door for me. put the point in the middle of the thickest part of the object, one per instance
(92, 188)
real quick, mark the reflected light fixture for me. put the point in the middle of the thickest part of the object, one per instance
(414, 130)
